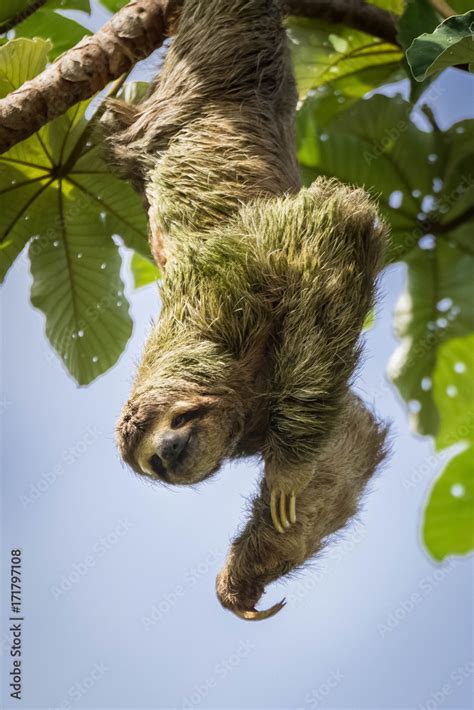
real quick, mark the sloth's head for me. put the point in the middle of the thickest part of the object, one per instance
(178, 436)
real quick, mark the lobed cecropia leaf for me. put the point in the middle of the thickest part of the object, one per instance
(56, 191)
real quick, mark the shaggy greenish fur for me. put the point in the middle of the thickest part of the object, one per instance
(266, 287)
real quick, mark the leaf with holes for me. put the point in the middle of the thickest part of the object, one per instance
(428, 205)
(76, 283)
(451, 44)
(436, 308)
(56, 190)
(452, 387)
(448, 527)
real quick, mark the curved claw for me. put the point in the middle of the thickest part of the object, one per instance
(255, 615)
(278, 511)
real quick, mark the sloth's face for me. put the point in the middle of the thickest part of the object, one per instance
(182, 442)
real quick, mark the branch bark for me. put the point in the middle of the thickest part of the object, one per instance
(133, 34)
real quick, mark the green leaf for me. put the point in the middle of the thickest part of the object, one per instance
(18, 193)
(10, 8)
(461, 6)
(20, 62)
(395, 6)
(436, 308)
(134, 91)
(451, 44)
(83, 5)
(428, 205)
(419, 16)
(453, 389)
(144, 272)
(57, 192)
(323, 53)
(448, 526)
(77, 285)
(113, 5)
(63, 32)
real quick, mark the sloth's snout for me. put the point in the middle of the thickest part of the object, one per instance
(172, 446)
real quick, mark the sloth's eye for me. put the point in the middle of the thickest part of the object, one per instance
(183, 418)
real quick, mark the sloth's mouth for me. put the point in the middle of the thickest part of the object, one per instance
(163, 470)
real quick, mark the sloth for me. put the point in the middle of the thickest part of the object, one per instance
(265, 291)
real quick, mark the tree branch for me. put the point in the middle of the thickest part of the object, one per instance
(133, 34)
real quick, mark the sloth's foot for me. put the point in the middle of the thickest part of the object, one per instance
(241, 597)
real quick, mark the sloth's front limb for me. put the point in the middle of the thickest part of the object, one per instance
(320, 252)
(260, 555)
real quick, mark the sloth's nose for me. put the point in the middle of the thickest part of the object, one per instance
(171, 446)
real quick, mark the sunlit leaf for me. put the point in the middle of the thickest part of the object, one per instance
(453, 389)
(323, 53)
(20, 61)
(144, 272)
(448, 526)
